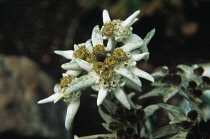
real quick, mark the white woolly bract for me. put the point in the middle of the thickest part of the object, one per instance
(71, 112)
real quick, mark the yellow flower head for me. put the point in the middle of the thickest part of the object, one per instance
(98, 50)
(90, 58)
(65, 80)
(107, 29)
(98, 66)
(107, 74)
(119, 54)
(81, 53)
(110, 61)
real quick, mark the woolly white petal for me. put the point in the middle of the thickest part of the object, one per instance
(133, 38)
(89, 45)
(132, 42)
(138, 57)
(84, 64)
(126, 73)
(81, 83)
(71, 112)
(56, 88)
(134, 21)
(131, 46)
(70, 66)
(134, 52)
(71, 72)
(121, 96)
(51, 98)
(142, 74)
(106, 17)
(76, 47)
(67, 54)
(110, 45)
(96, 36)
(130, 19)
(101, 95)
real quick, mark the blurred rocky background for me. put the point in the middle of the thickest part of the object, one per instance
(30, 30)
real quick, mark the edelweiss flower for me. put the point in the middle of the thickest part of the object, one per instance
(117, 29)
(73, 101)
(108, 68)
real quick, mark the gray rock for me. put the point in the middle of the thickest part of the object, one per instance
(22, 84)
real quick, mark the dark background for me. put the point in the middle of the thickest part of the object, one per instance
(33, 29)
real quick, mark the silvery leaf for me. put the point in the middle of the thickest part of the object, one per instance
(149, 110)
(187, 69)
(181, 135)
(170, 93)
(161, 72)
(176, 114)
(105, 136)
(149, 37)
(154, 92)
(133, 106)
(107, 118)
(130, 84)
(109, 105)
(201, 114)
(165, 131)
(106, 126)
(146, 41)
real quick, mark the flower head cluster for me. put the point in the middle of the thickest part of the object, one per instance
(108, 68)
(188, 82)
(185, 80)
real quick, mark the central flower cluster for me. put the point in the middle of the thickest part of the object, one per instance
(108, 67)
